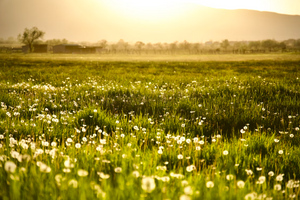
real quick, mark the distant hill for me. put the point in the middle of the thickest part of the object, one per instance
(218, 24)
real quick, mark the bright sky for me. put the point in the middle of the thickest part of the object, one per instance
(144, 7)
(159, 10)
(291, 7)
(93, 20)
(153, 10)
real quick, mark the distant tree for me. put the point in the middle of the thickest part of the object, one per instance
(139, 45)
(297, 44)
(149, 46)
(113, 48)
(240, 47)
(122, 45)
(196, 47)
(185, 45)
(282, 46)
(254, 45)
(64, 41)
(173, 46)
(102, 43)
(158, 46)
(57, 41)
(269, 44)
(225, 44)
(30, 36)
(290, 42)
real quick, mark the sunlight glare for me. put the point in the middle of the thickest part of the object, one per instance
(234, 4)
(151, 10)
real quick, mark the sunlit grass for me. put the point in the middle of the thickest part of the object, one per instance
(92, 129)
(156, 57)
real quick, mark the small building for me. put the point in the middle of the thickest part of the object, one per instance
(66, 48)
(76, 49)
(90, 50)
(37, 48)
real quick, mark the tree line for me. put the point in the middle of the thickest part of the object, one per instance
(215, 47)
(34, 35)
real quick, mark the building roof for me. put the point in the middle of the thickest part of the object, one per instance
(69, 45)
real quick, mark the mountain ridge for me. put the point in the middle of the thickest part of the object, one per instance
(242, 24)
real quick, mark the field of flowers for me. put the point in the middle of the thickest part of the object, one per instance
(72, 129)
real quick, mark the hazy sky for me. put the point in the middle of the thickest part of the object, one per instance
(93, 20)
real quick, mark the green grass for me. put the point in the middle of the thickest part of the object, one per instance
(90, 127)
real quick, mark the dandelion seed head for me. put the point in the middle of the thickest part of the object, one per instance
(73, 183)
(148, 184)
(277, 187)
(82, 173)
(188, 190)
(261, 180)
(279, 177)
(210, 184)
(69, 140)
(190, 168)
(225, 153)
(103, 176)
(249, 172)
(66, 170)
(77, 145)
(160, 151)
(165, 179)
(136, 174)
(43, 167)
(10, 166)
(240, 184)
(290, 184)
(230, 177)
(184, 197)
(118, 169)
(251, 196)
(258, 168)
(271, 173)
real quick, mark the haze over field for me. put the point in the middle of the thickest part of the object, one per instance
(152, 21)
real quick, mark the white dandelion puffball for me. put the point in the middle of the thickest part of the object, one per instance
(118, 169)
(277, 187)
(82, 172)
(210, 184)
(148, 184)
(240, 184)
(10, 166)
(225, 153)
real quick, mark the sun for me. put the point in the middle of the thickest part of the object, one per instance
(150, 10)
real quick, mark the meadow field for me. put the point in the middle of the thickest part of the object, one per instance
(150, 127)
